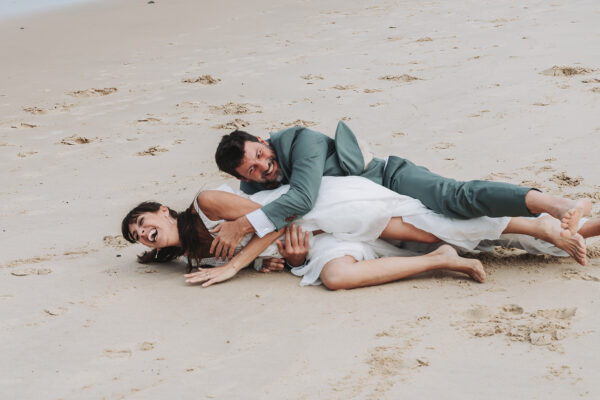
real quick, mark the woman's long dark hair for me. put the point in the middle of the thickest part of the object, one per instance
(193, 235)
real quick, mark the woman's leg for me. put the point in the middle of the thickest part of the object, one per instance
(590, 228)
(549, 229)
(347, 273)
(400, 230)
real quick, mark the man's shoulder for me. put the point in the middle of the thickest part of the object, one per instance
(295, 133)
(250, 187)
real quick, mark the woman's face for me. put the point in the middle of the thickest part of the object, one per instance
(155, 229)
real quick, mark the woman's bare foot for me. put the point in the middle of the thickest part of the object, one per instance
(570, 214)
(591, 228)
(450, 260)
(574, 245)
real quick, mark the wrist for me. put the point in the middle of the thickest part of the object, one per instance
(244, 225)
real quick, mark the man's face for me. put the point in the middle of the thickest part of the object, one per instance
(259, 164)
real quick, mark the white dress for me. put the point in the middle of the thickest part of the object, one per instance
(354, 211)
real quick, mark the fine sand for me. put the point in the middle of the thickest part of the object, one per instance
(107, 104)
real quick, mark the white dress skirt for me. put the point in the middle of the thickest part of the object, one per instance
(354, 211)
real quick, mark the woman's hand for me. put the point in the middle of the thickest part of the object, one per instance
(296, 245)
(272, 264)
(212, 275)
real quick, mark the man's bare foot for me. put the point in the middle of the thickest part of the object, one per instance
(574, 245)
(453, 262)
(570, 215)
(567, 211)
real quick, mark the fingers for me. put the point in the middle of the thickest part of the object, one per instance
(216, 228)
(280, 247)
(273, 264)
(196, 277)
(207, 284)
(287, 237)
(214, 244)
(230, 252)
(306, 241)
(218, 250)
(201, 276)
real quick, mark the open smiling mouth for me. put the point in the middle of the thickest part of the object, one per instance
(270, 170)
(152, 235)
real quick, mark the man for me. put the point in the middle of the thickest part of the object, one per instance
(300, 157)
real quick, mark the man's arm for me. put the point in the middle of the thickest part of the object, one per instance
(307, 156)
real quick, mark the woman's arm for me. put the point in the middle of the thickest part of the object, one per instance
(241, 260)
(216, 205)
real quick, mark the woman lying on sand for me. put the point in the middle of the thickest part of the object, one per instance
(353, 212)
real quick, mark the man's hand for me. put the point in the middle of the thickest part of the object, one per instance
(211, 275)
(229, 236)
(296, 245)
(272, 264)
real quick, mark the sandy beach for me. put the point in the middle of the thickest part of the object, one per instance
(107, 104)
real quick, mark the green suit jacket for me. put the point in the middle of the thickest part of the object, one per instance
(305, 156)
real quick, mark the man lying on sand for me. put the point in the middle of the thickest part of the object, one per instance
(300, 157)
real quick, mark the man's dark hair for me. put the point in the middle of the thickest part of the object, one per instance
(230, 151)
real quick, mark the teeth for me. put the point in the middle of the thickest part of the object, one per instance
(152, 235)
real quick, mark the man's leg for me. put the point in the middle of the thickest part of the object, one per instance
(478, 198)
(568, 211)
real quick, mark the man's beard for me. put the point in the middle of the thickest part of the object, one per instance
(274, 182)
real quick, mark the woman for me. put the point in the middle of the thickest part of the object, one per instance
(353, 210)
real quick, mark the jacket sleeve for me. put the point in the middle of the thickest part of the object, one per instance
(307, 157)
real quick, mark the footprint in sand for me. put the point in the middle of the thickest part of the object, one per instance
(443, 146)
(566, 71)
(204, 79)
(387, 363)
(23, 125)
(151, 151)
(399, 78)
(125, 353)
(34, 110)
(424, 39)
(32, 271)
(117, 242)
(233, 125)
(563, 179)
(343, 87)
(24, 154)
(540, 328)
(311, 77)
(55, 311)
(145, 346)
(76, 139)
(32, 260)
(575, 274)
(93, 92)
(40, 111)
(479, 114)
(235, 109)
(149, 119)
(111, 353)
(298, 122)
